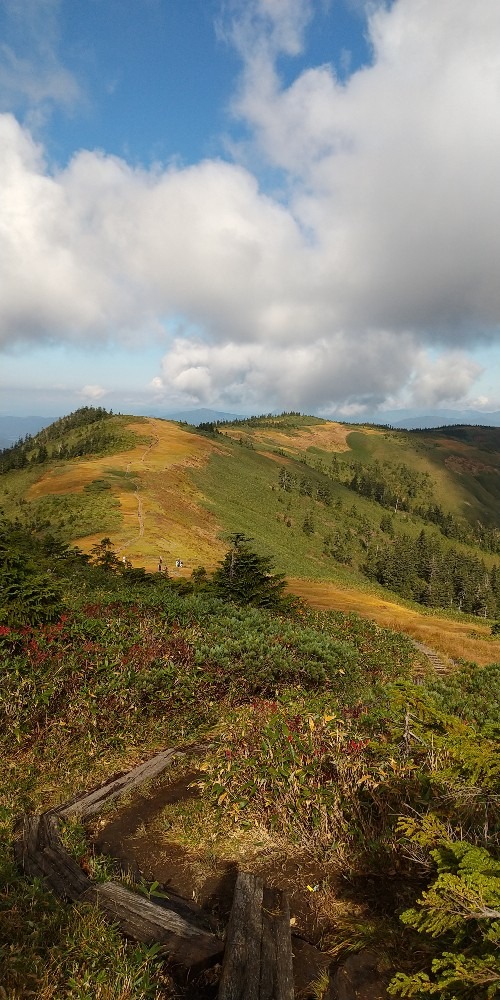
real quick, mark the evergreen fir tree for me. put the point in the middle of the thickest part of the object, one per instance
(245, 577)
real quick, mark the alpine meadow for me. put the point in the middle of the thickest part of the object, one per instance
(309, 612)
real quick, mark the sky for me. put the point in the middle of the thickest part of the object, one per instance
(249, 205)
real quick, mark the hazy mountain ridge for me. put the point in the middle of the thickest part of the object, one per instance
(12, 428)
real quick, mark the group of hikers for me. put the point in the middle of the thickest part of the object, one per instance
(178, 565)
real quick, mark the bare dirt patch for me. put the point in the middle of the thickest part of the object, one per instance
(139, 835)
(328, 437)
(458, 464)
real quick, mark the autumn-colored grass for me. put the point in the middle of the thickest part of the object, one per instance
(162, 515)
(166, 510)
(454, 639)
(329, 436)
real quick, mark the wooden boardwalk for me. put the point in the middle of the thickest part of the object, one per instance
(258, 956)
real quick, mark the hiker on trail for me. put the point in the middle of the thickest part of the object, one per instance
(160, 564)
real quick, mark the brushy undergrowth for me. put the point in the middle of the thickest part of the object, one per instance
(317, 732)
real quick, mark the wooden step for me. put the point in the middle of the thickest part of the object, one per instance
(258, 957)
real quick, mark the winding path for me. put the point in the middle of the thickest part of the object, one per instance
(139, 512)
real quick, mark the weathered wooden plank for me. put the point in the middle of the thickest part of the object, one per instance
(26, 846)
(186, 908)
(240, 977)
(276, 968)
(21, 829)
(88, 803)
(48, 831)
(64, 873)
(144, 921)
(53, 876)
(40, 853)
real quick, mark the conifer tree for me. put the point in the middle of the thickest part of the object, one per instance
(245, 577)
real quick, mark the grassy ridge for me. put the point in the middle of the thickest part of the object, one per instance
(241, 488)
(179, 492)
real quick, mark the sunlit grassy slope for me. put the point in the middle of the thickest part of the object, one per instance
(179, 493)
(455, 638)
(142, 497)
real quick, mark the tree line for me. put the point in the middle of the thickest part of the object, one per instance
(424, 571)
(83, 432)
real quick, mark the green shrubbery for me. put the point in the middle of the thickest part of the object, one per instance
(460, 912)
(318, 734)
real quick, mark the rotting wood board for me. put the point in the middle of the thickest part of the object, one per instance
(139, 918)
(258, 957)
(89, 803)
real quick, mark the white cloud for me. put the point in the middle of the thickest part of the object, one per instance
(92, 392)
(268, 27)
(386, 245)
(443, 380)
(319, 372)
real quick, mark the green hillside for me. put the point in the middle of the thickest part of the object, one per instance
(323, 752)
(349, 515)
(369, 507)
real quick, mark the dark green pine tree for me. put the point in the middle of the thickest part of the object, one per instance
(247, 578)
(308, 525)
(27, 594)
(103, 555)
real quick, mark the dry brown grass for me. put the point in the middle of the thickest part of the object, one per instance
(164, 516)
(329, 437)
(455, 639)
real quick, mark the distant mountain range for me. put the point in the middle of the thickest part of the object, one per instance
(202, 416)
(443, 418)
(408, 419)
(13, 428)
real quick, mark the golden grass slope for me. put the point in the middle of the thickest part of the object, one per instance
(329, 436)
(453, 638)
(163, 516)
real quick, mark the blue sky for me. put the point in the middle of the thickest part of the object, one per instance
(249, 205)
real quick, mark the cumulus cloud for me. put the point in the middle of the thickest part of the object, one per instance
(323, 370)
(443, 380)
(367, 282)
(92, 392)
